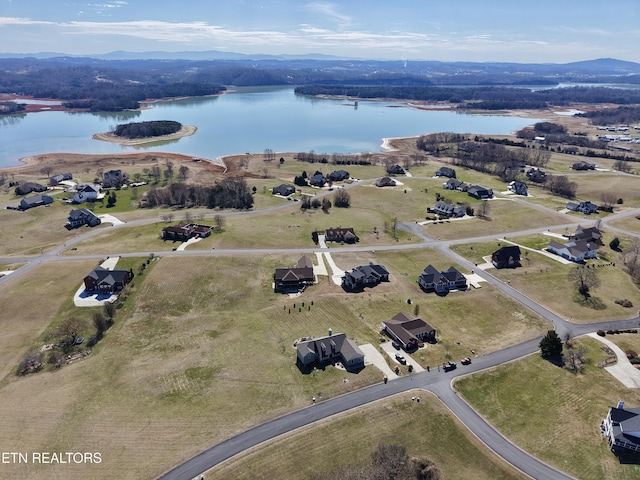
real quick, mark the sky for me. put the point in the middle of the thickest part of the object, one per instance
(543, 31)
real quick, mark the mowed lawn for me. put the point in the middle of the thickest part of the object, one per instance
(554, 414)
(203, 349)
(546, 281)
(426, 429)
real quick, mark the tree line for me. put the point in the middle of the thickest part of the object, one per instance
(482, 97)
(153, 128)
(229, 193)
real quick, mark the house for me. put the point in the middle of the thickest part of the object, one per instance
(454, 184)
(317, 180)
(342, 235)
(338, 176)
(329, 350)
(431, 280)
(506, 257)
(536, 175)
(114, 179)
(294, 279)
(409, 331)
(395, 170)
(582, 165)
(583, 207)
(385, 182)
(622, 429)
(446, 172)
(183, 232)
(283, 190)
(25, 188)
(35, 201)
(102, 280)
(86, 192)
(365, 276)
(59, 178)
(81, 216)
(575, 250)
(518, 187)
(481, 193)
(448, 210)
(591, 234)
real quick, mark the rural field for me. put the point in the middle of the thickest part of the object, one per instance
(553, 413)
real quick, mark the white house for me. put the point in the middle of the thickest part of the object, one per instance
(86, 192)
(574, 250)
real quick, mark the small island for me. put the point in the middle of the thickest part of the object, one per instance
(137, 133)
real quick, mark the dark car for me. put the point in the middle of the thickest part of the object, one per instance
(401, 359)
(449, 366)
(396, 345)
(79, 340)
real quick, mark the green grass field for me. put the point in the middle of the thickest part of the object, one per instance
(553, 413)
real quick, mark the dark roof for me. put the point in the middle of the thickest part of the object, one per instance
(446, 172)
(503, 254)
(103, 275)
(340, 343)
(407, 328)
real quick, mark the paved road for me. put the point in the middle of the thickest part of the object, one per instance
(435, 382)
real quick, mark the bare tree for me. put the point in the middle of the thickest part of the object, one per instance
(584, 278)
(483, 209)
(608, 200)
(31, 362)
(69, 330)
(342, 199)
(110, 311)
(101, 323)
(219, 220)
(46, 170)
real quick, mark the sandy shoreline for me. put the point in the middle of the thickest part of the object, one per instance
(185, 131)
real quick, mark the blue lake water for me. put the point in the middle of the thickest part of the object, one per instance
(248, 120)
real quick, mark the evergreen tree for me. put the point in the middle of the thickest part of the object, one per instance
(551, 345)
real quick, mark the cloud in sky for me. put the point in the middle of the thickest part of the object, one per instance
(427, 30)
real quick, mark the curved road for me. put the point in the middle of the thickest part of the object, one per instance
(438, 383)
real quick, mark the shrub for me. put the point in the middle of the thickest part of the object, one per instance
(602, 333)
(625, 303)
(631, 354)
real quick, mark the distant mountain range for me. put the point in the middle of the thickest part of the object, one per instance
(601, 66)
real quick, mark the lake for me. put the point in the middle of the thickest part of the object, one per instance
(246, 120)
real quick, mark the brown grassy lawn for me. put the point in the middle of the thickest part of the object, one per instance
(496, 321)
(593, 185)
(630, 223)
(427, 429)
(545, 280)
(35, 230)
(552, 413)
(193, 358)
(504, 216)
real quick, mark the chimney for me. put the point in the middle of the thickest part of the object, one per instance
(330, 332)
(620, 405)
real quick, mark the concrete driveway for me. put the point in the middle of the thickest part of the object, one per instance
(624, 371)
(372, 356)
(389, 350)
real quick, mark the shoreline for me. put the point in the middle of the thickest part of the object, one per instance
(185, 131)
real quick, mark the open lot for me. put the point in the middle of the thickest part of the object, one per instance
(349, 439)
(553, 413)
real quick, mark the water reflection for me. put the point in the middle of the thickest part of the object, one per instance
(13, 119)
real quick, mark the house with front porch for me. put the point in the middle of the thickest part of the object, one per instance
(341, 235)
(431, 280)
(622, 429)
(365, 276)
(294, 279)
(82, 216)
(329, 350)
(86, 192)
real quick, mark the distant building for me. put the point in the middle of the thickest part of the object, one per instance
(536, 175)
(330, 350)
(82, 216)
(591, 234)
(518, 187)
(431, 280)
(317, 180)
(582, 165)
(105, 281)
(480, 193)
(448, 210)
(183, 232)
(35, 201)
(575, 250)
(365, 276)
(395, 170)
(294, 279)
(338, 176)
(114, 179)
(455, 184)
(506, 257)
(86, 192)
(409, 331)
(284, 190)
(586, 208)
(446, 172)
(341, 235)
(385, 182)
(61, 177)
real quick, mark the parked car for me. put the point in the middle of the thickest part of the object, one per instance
(465, 361)
(396, 345)
(79, 340)
(401, 359)
(449, 366)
